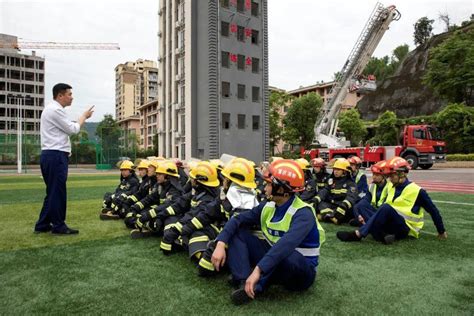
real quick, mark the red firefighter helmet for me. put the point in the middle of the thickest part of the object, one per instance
(318, 162)
(396, 164)
(286, 173)
(378, 168)
(354, 160)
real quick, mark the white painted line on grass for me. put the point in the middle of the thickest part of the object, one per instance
(450, 202)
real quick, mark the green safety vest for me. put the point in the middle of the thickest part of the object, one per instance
(360, 173)
(284, 225)
(404, 204)
(383, 195)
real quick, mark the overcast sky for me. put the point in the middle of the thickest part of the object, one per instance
(309, 40)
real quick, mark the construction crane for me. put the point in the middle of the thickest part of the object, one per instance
(373, 31)
(12, 42)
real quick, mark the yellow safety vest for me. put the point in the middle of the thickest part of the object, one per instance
(404, 203)
(306, 249)
(383, 195)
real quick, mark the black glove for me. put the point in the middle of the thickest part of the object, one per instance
(187, 230)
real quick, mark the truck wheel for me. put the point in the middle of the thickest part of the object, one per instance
(426, 167)
(412, 160)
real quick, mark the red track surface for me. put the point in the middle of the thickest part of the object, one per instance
(439, 186)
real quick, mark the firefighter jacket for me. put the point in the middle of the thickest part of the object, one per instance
(162, 194)
(203, 209)
(339, 191)
(127, 186)
(310, 188)
(321, 179)
(183, 177)
(144, 188)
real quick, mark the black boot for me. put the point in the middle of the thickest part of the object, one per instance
(348, 236)
(138, 234)
(109, 216)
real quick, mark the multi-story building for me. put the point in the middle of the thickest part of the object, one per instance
(148, 124)
(213, 79)
(323, 89)
(136, 84)
(21, 91)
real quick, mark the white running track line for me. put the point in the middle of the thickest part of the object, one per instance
(450, 202)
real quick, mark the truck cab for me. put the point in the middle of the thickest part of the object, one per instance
(422, 146)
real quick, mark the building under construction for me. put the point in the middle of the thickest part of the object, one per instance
(21, 97)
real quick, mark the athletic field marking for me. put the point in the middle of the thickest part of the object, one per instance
(450, 202)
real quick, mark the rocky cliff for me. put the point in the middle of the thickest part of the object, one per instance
(404, 93)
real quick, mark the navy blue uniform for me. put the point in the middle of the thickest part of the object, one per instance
(387, 221)
(280, 263)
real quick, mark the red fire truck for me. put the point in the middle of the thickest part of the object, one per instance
(421, 146)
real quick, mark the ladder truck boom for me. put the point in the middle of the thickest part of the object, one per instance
(373, 31)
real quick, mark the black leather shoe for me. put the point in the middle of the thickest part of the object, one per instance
(240, 297)
(42, 231)
(389, 239)
(347, 236)
(67, 231)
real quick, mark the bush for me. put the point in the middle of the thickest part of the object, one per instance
(460, 157)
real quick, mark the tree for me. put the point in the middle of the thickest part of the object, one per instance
(456, 121)
(353, 127)
(300, 119)
(386, 66)
(399, 54)
(444, 17)
(278, 100)
(386, 132)
(423, 30)
(82, 151)
(108, 131)
(450, 71)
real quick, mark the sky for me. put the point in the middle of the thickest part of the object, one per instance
(309, 40)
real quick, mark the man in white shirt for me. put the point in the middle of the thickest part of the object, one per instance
(55, 150)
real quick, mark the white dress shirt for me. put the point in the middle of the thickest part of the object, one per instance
(56, 127)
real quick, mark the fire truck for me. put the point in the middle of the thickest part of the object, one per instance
(420, 145)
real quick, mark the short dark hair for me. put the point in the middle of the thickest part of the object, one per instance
(60, 88)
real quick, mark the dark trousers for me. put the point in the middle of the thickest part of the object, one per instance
(385, 222)
(246, 250)
(365, 209)
(54, 169)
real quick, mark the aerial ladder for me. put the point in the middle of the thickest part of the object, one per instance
(326, 125)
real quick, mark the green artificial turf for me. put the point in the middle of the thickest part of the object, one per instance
(103, 271)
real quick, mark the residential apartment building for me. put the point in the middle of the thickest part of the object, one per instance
(136, 84)
(213, 79)
(323, 89)
(148, 124)
(21, 92)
